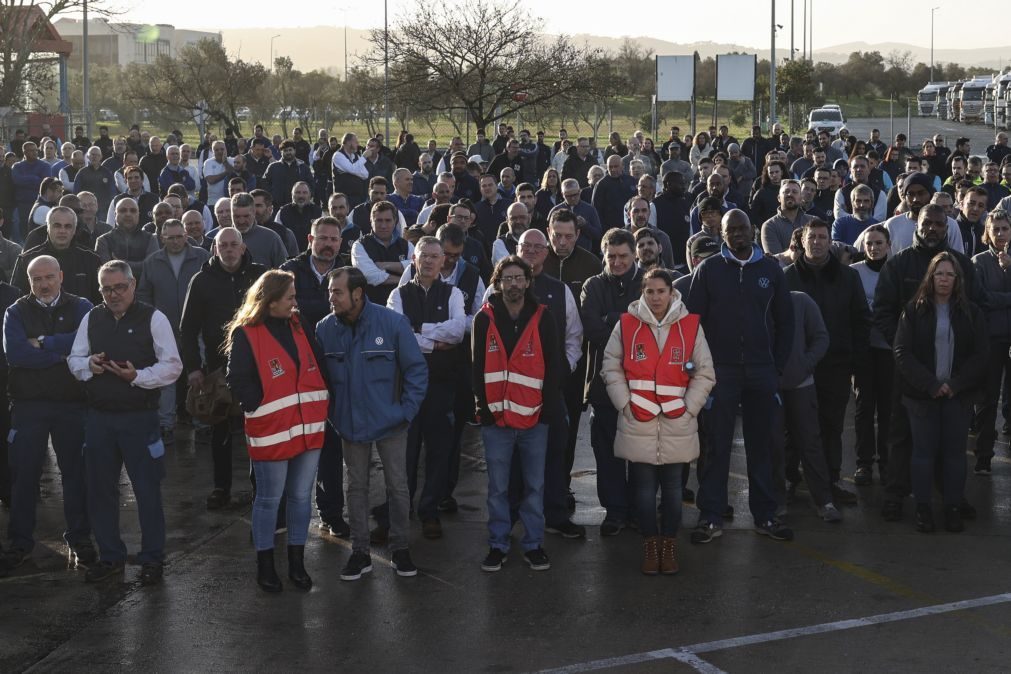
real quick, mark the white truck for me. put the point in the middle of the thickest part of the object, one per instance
(971, 96)
(1000, 101)
(927, 98)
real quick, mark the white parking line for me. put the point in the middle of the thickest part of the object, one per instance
(690, 654)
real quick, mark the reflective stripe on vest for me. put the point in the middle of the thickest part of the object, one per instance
(657, 380)
(513, 385)
(291, 419)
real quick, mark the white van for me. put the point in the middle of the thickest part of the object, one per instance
(826, 119)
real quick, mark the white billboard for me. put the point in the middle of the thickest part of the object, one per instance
(675, 78)
(735, 77)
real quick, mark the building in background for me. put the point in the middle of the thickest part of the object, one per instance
(126, 43)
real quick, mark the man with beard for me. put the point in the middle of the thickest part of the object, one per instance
(299, 215)
(777, 230)
(897, 284)
(310, 269)
(647, 249)
(916, 190)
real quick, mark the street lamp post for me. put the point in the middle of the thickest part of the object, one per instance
(86, 94)
(932, 10)
(772, 69)
(793, 18)
(272, 51)
(386, 63)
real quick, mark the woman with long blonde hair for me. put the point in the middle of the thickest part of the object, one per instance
(274, 373)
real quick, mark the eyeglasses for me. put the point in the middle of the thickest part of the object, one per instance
(117, 289)
(535, 247)
(513, 280)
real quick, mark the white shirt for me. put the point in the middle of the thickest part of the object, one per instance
(451, 331)
(373, 274)
(213, 167)
(901, 229)
(354, 165)
(194, 172)
(475, 302)
(164, 372)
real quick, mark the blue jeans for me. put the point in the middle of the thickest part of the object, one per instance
(32, 424)
(499, 445)
(111, 440)
(295, 477)
(646, 478)
(754, 388)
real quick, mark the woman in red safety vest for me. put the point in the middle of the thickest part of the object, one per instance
(273, 371)
(658, 372)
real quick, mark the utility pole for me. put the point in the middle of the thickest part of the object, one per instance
(932, 10)
(772, 69)
(386, 58)
(87, 82)
(793, 20)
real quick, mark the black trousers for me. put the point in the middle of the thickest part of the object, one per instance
(873, 383)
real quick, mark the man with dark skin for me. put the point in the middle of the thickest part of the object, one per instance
(750, 341)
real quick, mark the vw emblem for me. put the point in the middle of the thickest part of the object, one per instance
(379, 341)
(763, 282)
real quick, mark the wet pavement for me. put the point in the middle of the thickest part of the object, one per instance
(861, 595)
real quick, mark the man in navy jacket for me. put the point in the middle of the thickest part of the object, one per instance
(744, 305)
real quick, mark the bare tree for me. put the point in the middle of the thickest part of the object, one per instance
(24, 32)
(486, 56)
(202, 73)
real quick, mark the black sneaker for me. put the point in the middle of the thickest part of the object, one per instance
(359, 564)
(537, 559)
(83, 553)
(891, 511)
(775, 530)
(448, 505)
(403, 565)
(102, 570)
(687, 495)
(218, 499)
(15, 557)
(335, 526)
(705, 532)
(494, 560)
(567, 529)
(728, 512)
(982, 465)
(953, 520)
(966, 510)
(611, 527)
(151, 573)
(862, 476)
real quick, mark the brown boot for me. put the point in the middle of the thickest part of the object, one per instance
(651, 555)
(669, 556)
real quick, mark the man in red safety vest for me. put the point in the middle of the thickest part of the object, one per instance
(516, 358)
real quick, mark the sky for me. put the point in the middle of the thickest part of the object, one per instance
(834, 22)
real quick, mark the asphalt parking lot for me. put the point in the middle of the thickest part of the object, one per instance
(862, 594)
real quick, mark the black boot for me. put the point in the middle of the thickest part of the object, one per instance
(296, 567)
(266, 574)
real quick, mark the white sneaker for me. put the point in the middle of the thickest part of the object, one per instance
(829, 513)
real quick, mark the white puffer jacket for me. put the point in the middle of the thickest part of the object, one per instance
(661, 440)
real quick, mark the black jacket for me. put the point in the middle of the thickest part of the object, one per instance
(839, 293)
(79, 266)
(902, 275)
(915, 356)
(603, 300)
(576, 168)
(211, 301)
(310, 292)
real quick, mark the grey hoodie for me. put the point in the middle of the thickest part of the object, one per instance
(810, 342)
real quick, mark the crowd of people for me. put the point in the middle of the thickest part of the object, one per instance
(341, 297)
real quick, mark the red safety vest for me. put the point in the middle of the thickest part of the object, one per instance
(513, 386)
(291, 419)
(657, 379)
